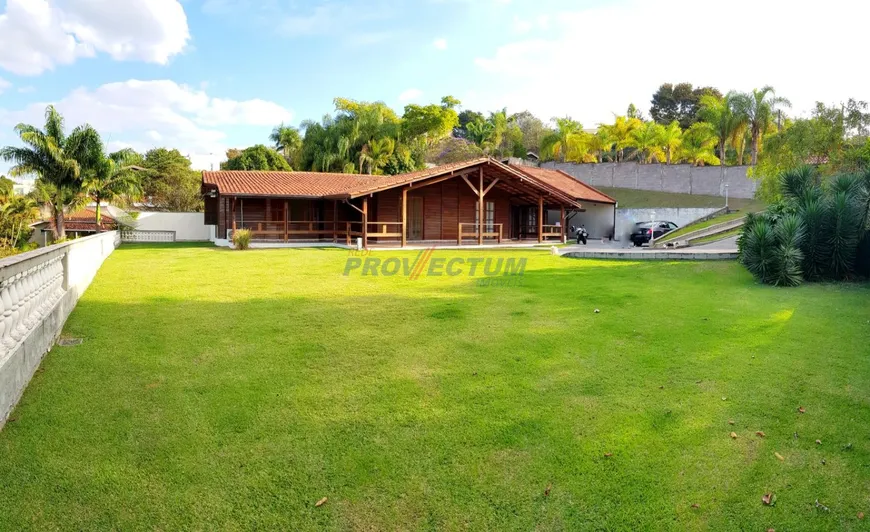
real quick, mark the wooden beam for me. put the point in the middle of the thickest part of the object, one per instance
(365, 228)
(234, 215)
(286, 225)
(490, 187)
(562, 223)
(355, 207)
(404, 217)
(334, 221)
(476, 192)
(480, 209)
(540, 219)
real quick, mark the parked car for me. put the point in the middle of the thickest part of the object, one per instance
(642, 230)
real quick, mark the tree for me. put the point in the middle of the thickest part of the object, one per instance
(453, 150)
(433, 122)
(678, 102)
(56, 159)
(112, 179)
(620, 133)
(600, 144)
(449, 102)
(466, 117)
(376, 154)
(556, 144)
(759, 107)
(726, 117)
(671, 139)
(480, 132)
(169, 183)
(698, 144)
(647, 141)
(258, 158)
(288, 141)
(532, 129)
(17, 213)
(7, 187)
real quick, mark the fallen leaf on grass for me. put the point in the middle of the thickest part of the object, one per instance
(547, 491)
(760, 433)
(320, 503)
(730, 421)
(860, 515)
(779, 456)
(818, 442)
(771, 530)
(802, 409)
(608, 455)
(769, 499)
(733, 435)
(696, 506)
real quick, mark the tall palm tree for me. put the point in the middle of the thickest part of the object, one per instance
(671, 139)
(557, 143)
(287, 140)
(620, 133)
(647, 141)
(698, 144)
(759, 107)
(113, 178)
(16, 215)
(726, 116)
(56, 159)
(377, 153)
(600, 143)
(480, 132)
(579, 149)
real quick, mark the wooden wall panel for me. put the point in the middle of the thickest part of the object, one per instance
(432, 212)
(450, 208)
(388, 206)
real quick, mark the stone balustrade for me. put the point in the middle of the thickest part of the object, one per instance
(38, 290)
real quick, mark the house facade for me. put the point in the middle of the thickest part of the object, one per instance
(473, 202)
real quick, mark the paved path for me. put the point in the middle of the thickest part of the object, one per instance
(726, 243)
(722, 250)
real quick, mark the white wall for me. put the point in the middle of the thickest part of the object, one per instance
(598, 219)
(38, 290)
(188, 226)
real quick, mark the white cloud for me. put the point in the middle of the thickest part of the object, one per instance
(26, 89)
(145, 114)
(4, 85)
(440, 44)
(37, 35)
(549, 74)
(410, 95)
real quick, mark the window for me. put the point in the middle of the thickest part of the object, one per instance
(489, 220)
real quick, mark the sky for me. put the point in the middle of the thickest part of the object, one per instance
(207, 75)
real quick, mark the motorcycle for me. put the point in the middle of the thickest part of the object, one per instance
(582, 234)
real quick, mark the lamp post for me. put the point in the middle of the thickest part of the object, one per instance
(652, 229)
(726, 196)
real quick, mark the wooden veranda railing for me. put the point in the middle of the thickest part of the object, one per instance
(322, 230)
(489, 231)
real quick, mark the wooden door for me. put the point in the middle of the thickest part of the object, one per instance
(415, 218)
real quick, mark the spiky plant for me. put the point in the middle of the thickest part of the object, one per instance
(790, 233)
(758, 250)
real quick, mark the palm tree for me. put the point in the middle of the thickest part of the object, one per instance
(57, 160)
(376, 154)
(759, 107)
(557, 143)
(620, 132)
(698, 144)
(726, 116)
(480, 132)
(112, 179)
(16, 215)
(287, 140)
(600, 143)
(671, 139)
(647, 141)
(579, 150)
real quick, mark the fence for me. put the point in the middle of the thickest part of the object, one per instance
(147, 236)
(38, 290)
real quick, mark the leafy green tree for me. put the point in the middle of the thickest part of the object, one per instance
(481, 133)
(726, 117)
(532, 130)
(678, 102)
(376, 154)
(467, 117)
(56, 159)
(7, 187)
(433, 122)
(556, 144)
(288, 141)
(759, 107)
(169, 183)
(453, 150)
(17, 213)
(698, 144)
(620, 132)
(647, 142)
(114, 179)
(449, 102)
(671, 138)
(258, 158)
(600, 144)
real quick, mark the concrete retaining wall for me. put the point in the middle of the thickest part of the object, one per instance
(38, 291)
(679, 178)
(626, 218)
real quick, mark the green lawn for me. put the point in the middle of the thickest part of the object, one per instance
(224, 390)
(645, 199)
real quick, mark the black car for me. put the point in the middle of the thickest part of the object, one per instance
(641, 233)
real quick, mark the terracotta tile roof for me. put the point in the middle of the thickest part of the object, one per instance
(331, 185)
(85, 220)
(565, 182)
(316, 184)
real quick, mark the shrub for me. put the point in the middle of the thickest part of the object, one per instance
(815, 233)
(242, 238)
